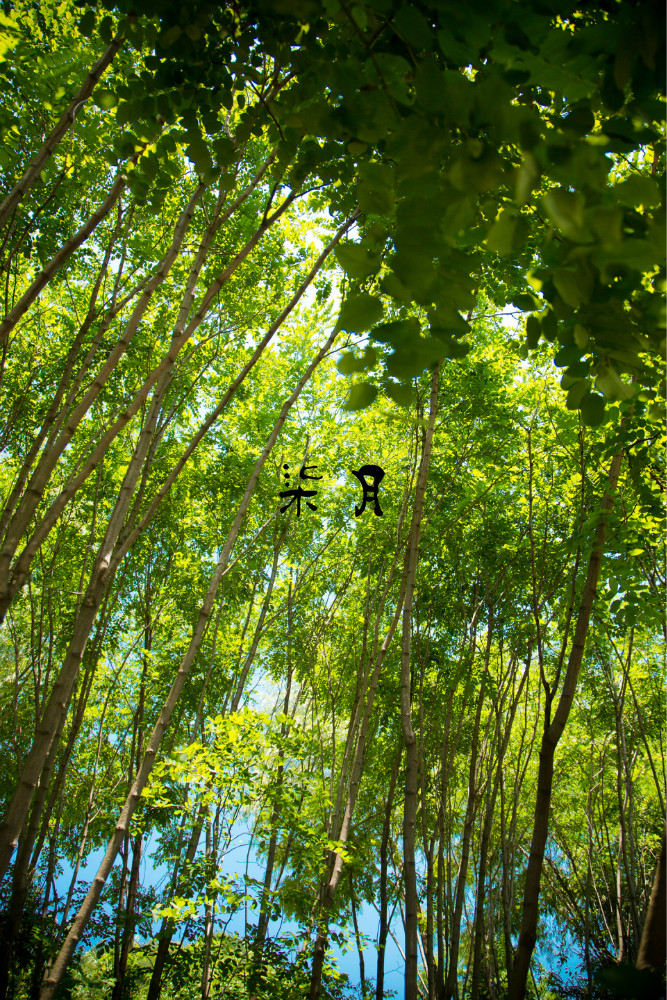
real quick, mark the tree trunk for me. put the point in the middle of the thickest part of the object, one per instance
(357, 937)
(384, 860)
(92, 897)
(33, 170)
(652, 946)
(266, 904)
(451, 985)
(168, 925)
(551, 735)
(409, 737)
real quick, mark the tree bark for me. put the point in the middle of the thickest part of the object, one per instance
(92, 897)
(32, 172)
(652, 945)
(451, 985)
(409, 737)
(384, 861)
(552, 733)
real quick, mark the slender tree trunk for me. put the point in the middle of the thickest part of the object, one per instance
(168, 925)
(336, 864)
(266, 904)
(32, 172)
(92, 897)
(409, 737)
(384, 861)
(66, 251)
(209, 922)
(451, 986)
(652, 945)
(238, 694)
(440, 911)
(357, 937)
(553, 731)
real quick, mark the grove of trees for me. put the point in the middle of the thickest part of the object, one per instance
(246, 250)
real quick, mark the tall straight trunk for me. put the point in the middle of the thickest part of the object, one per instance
(117, 990)
(33, 170)
(409, 737)
(238, 694)
(127, 916)
(358, 725)
(108, 559)
(39, 957)
(59, 258)
(440, 831)
(492, 794)
(328, 890)
(428, 839)
(168, 927)
(451, 985)
(209, 922)
(384, 862)
(440, 911)
(92, 897)
(479, 902)
(266, 904)
(357, 937)
(552, 733)
(652, 945)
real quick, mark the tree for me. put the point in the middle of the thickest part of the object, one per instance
(201, 206)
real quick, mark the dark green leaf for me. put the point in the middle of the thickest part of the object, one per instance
(592, 409)
(359, 313)
(356, 260)
(361, 395)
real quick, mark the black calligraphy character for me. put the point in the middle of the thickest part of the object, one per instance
(370, 490)
(299, 493)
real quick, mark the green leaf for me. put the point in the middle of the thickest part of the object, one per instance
(359, 313)
(533, 331)
(168, 37)
(573, 285)
(612, 386)
(566, 210)
(356, 260)
(567, 355)
(392, 285)
(507, 234)
(105, 99)
(592, 409)
(105, 29)
(431, 87)
(581, 119)
(350, 363)
(402, 395)
(638, 192)
(361, 395)
(397, 331)
(198, 153)
(576, 393)
(413, 27)
(526, 301)
(87, 23)
(375, 188)
(224, 150)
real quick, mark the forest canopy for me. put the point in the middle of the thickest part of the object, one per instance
(332, 407)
